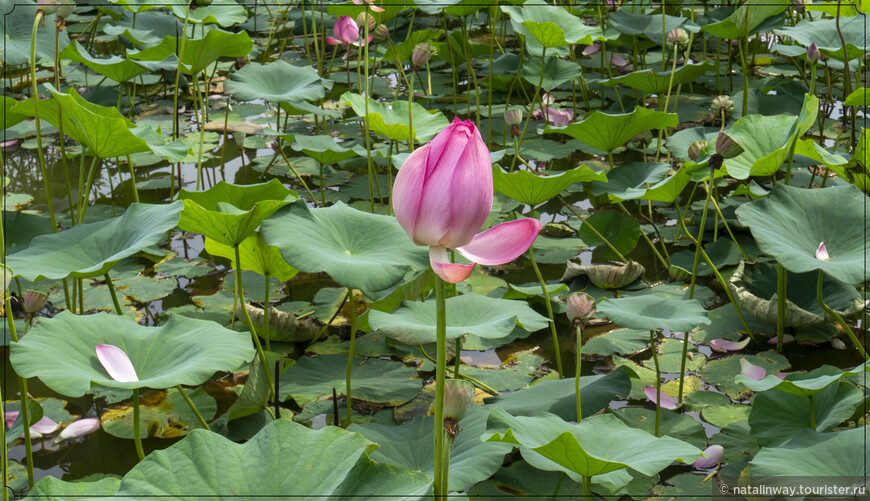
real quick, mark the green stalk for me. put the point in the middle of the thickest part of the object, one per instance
(240, 292)
(781, 278)
(535, 97)
(457, 359)
(266, 312)
(643, 234)
(113, 294)
(3, 457)
(133, 180)
(480, 384)
(40, 151)
(192, 407)
(594, 231)
(837, 317)
(199, 102)
(295, 173)
(350, 352)
(745, 75)
(652, 347)
(440, 369)
(137, 434)
(368, 140)
(668, 96)
(63, 160)
(579, 343)
(556, 349)
(83, 202)
(175, 127)
(587, 488)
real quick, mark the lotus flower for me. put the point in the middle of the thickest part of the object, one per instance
(346, 32)
(557, 117)
(813, 52)
(822, 253)
(78, 428)
(116, 363)
(513, 116)
(9, 417)
(678, 36)
(443, 195)
(712, 456)
(666, 402)
(580, 307)
(371, 4)
(724, 345)
(751, 370)
(34, 301)
(422, 53)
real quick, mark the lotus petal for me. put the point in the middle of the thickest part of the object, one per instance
(10, 417)
(502, 243)
(44, 426)
(712, 456)
(786, 338)
(450, 272)
(724, 345)
(79, 428)
(750, 370)
(116, 363)
(665, 400)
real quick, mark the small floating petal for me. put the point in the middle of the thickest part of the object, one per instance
(752, 371)
(666, 401)
(116, 363)
(712, 456)
(79, 428)
(724, 345)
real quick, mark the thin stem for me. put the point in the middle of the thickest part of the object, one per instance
(652, 347)
(579, 349)
(137, 435)
(3, 456)
(558, 487)
(40, 152)
(837, 317)
(648, 241)
(440, 369)
(535, 96)
(86, 193)
(594, 231)
(113, 294)
(781, 278)
(411, 112)
(457, 359)
(200, 100)
(350, 352)
(240, 292)
(556, 348)
(192, 407)
(480, 384)
(367, 135)
(587, 488)
(266, 313)
(25, 412)
(745, 110)
(175, 126)
(304, 184)
(668, 96)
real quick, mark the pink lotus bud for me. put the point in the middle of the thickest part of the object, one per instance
(580, 307)
(591, 49)
(724, 345)
(116, 363)
(513, 116)
(665, 400)
(361, 21)
(751, 371)
(696, 150)
(679, 37)
(547, 99)
(726, 146)
(381, 34)
(34, 301)
(422, 53)
(712, 456)
(822, 253)
(813, 52)
(44, 426)
(9, 417)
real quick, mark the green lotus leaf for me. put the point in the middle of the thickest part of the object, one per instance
(410, 446)
(556, 72)
(621, 230)
(631, 181)
(649, 25)
(858, 97)
(115, 67)
(167, 416)
(813, 459)
(276, 82)
(790, 223)
(856, 170)
(777, 416)
(255, 256)
(754, 288)
(11, 116)
(60, 351)
(724, 414)
(621, 341)
(199, 53)
(595, 446)
(557, 397)
(230, 213)
(611, 275)
(657, 82)
(607, 132)
(487, 317)
(745, 19)
(528, 188)
(800, 384)
(293, 461)
(17, 29)
(826, 37)
(654, 312)
(357, 249)
(92, 249)
(672, 424)
(224, 13)
(550, 26)
(402, 51)
(322, 148)
(374, 380)
(20, 228)
(53, 488)
(391, 119)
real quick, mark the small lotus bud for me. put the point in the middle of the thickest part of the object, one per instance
(679, 37)
(727, 147)
(458, 395)
(239, 139)
(34, 301)
(813, 52)
(361, 21)
(712, 456)
(513, 116)
(721, 103)
(696, 150)
(547, 99)
(838, 344)
(381, 34)
(580, 307)
(422, 53)
(47, 6)
(822, 252)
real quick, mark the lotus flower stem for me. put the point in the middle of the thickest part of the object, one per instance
(483, 386)
(60, 123)
(534, 100)
(334, 315)
(137, 434)
(240, 291)
(266, 308)
(587, 488)
(86, 194)
(556, 349)
(199, 102)
(25, 411)
(655, 357)
(745, 109)
(579, 343)
(662, 260)
(728, 228)
(40, 152)
(594, 231)
(175, 125)
(113, 294)
(367, 135)
(3, 456)
(558, 487)
(192, 406)
(350, 352)
(812, 413)
(440, 369)
(457, 360)
(668, 95)
(781, 293)
(838, 318)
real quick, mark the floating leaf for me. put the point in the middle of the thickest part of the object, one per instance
(391, 119)
(276, 82)
(654, 312)
(608, 132)
(528, 188)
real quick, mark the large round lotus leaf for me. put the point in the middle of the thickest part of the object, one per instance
(654, 312)
(824, 33)
(357, 249)
(649, 25)
(802, 384)
(557, 397)
(528, 188)
(230, 213)
(410, 446)
(289, 461)
(255, 256)
(550, 26)
(607, 132)
(324, 149)
(199, 53)
(20, 228)
(598, 445)
(657, 82)
(92, 249)
(372, 379)
(606, 275)
(790, 223)
(17, 29)
(816, 459)
(556, 72)
(60, 351)
(631, 181)
(621, 230)
(754, 289)
(487, 317)
(276, 82)
(391, 119)
(115, 68)
(745, 19)
(54, 488)
(672, 424)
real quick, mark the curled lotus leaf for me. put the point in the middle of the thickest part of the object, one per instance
(754, 289)
(610, 275)
(283, 326)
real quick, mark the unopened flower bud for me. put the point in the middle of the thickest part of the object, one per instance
(696, 150)
(678, 36)
(547, 99)
(580, 307)
(34, 301)
(721, 103)
(47, 6)
(513, 116)
(381, 34)
(65, 8)
(361, 21)
(458, 395)
(813, 52)
(422, 53)
(727, 147)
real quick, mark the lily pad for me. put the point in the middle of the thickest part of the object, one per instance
(528, 188)
(672, 424)
(183, 351)
(276, 82)
(608, 132)
(622, 341)
(256, 256)
(546, 26)
(653, 82)
(654, 312)
(322, 148)
(621, 230)
(167, 417)
(391, 119)
(721, 372)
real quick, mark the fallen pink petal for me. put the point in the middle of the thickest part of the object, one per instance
(751, 371)
(79, 428)
(725, 345)
(711, 457)
(116, 363)
(667, 402)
